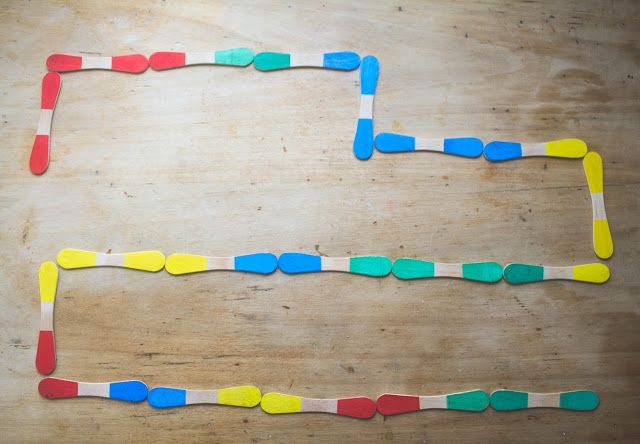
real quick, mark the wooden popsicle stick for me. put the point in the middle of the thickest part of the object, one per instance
(241, 396)
(363, 141)
(131, 63)
(140, 260)
(568, 148)
(358, 407)
(473, 401)
(399, 143)
(262, 263)
(573, 400)
(294, 263)
(408, 268)
(602, 241)
(46, 352)
(39, 159)
(56, 388)
(342, 61)
(229, 57)
(524, 273)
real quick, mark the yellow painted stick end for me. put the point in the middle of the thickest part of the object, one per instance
(144, 260)
(592, 164)
(280, 403)
(72, 258)
(571, 148)
(48, 279)
(602, 241)
(179, 263)
(242, 396)
(594, 273)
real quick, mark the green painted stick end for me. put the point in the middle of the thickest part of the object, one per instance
(268, 61)
(523, 273)
(406, 268)
(509, 400)
(473, 401)
(579, 400)
(482, 271)
(235, 57)
(370, 265)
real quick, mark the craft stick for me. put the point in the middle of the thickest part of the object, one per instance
(602, 242)
(242, 396)
(575, 400)
(407, 268)
(294, 263)
(55, 388)
(140, 260)
(39, 160)
(230, 57)
(359, 407)
(524, 273)
(568, 148)
(46, 352)
(132, 63)
(262, 263)
(363, 141)
(398, 143)
(473, 401)
(343, 61)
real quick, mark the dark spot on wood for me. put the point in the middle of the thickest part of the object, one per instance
(286, 307)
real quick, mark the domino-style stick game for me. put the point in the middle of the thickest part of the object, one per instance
(140, 260)
(524, 273)
(574, 400)
(569, 148)
(359, 407)
(46, 352)
(399, 143)
(242, 396)
(56, 388)
(342, 61)
(133, 63)
(407, 268)
(294, 263)
(229, 57)
(363, 141)
(39, 160)
(472, 401)
(261, 263)
(602, 242)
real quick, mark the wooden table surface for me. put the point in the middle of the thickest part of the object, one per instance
(226, 161)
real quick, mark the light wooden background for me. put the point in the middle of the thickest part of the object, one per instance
(225, 161)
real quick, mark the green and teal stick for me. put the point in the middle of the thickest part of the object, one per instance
(575, 400)
(406, 268)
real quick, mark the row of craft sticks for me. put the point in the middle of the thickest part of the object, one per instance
(297, 263)
(355, 407)
(241, 57)
(291, 263)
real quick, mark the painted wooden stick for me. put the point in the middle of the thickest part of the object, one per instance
(262, 263)
(343, 61)
(230, 57)
(55, 388)
(602, 242)
(575, 400)
(473, 401)
(39, 160)
(363, 141)
(46, 352)
(294, 263)
(568, 148)
(140, 260)
(359, 407)
(524, 273)
(132, 63)
(398, 143)
(407, 268)
(242, 396)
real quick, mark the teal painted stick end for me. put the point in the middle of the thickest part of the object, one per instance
(509, 400)
(579, 400)
(523, 273)
(235, 57)
(268, 61)
(406, 268)
(370, 265)
(473, 401)
(482, 271)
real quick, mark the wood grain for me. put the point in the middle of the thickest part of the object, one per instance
(207, 159)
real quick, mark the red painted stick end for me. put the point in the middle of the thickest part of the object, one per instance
(357, 407)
